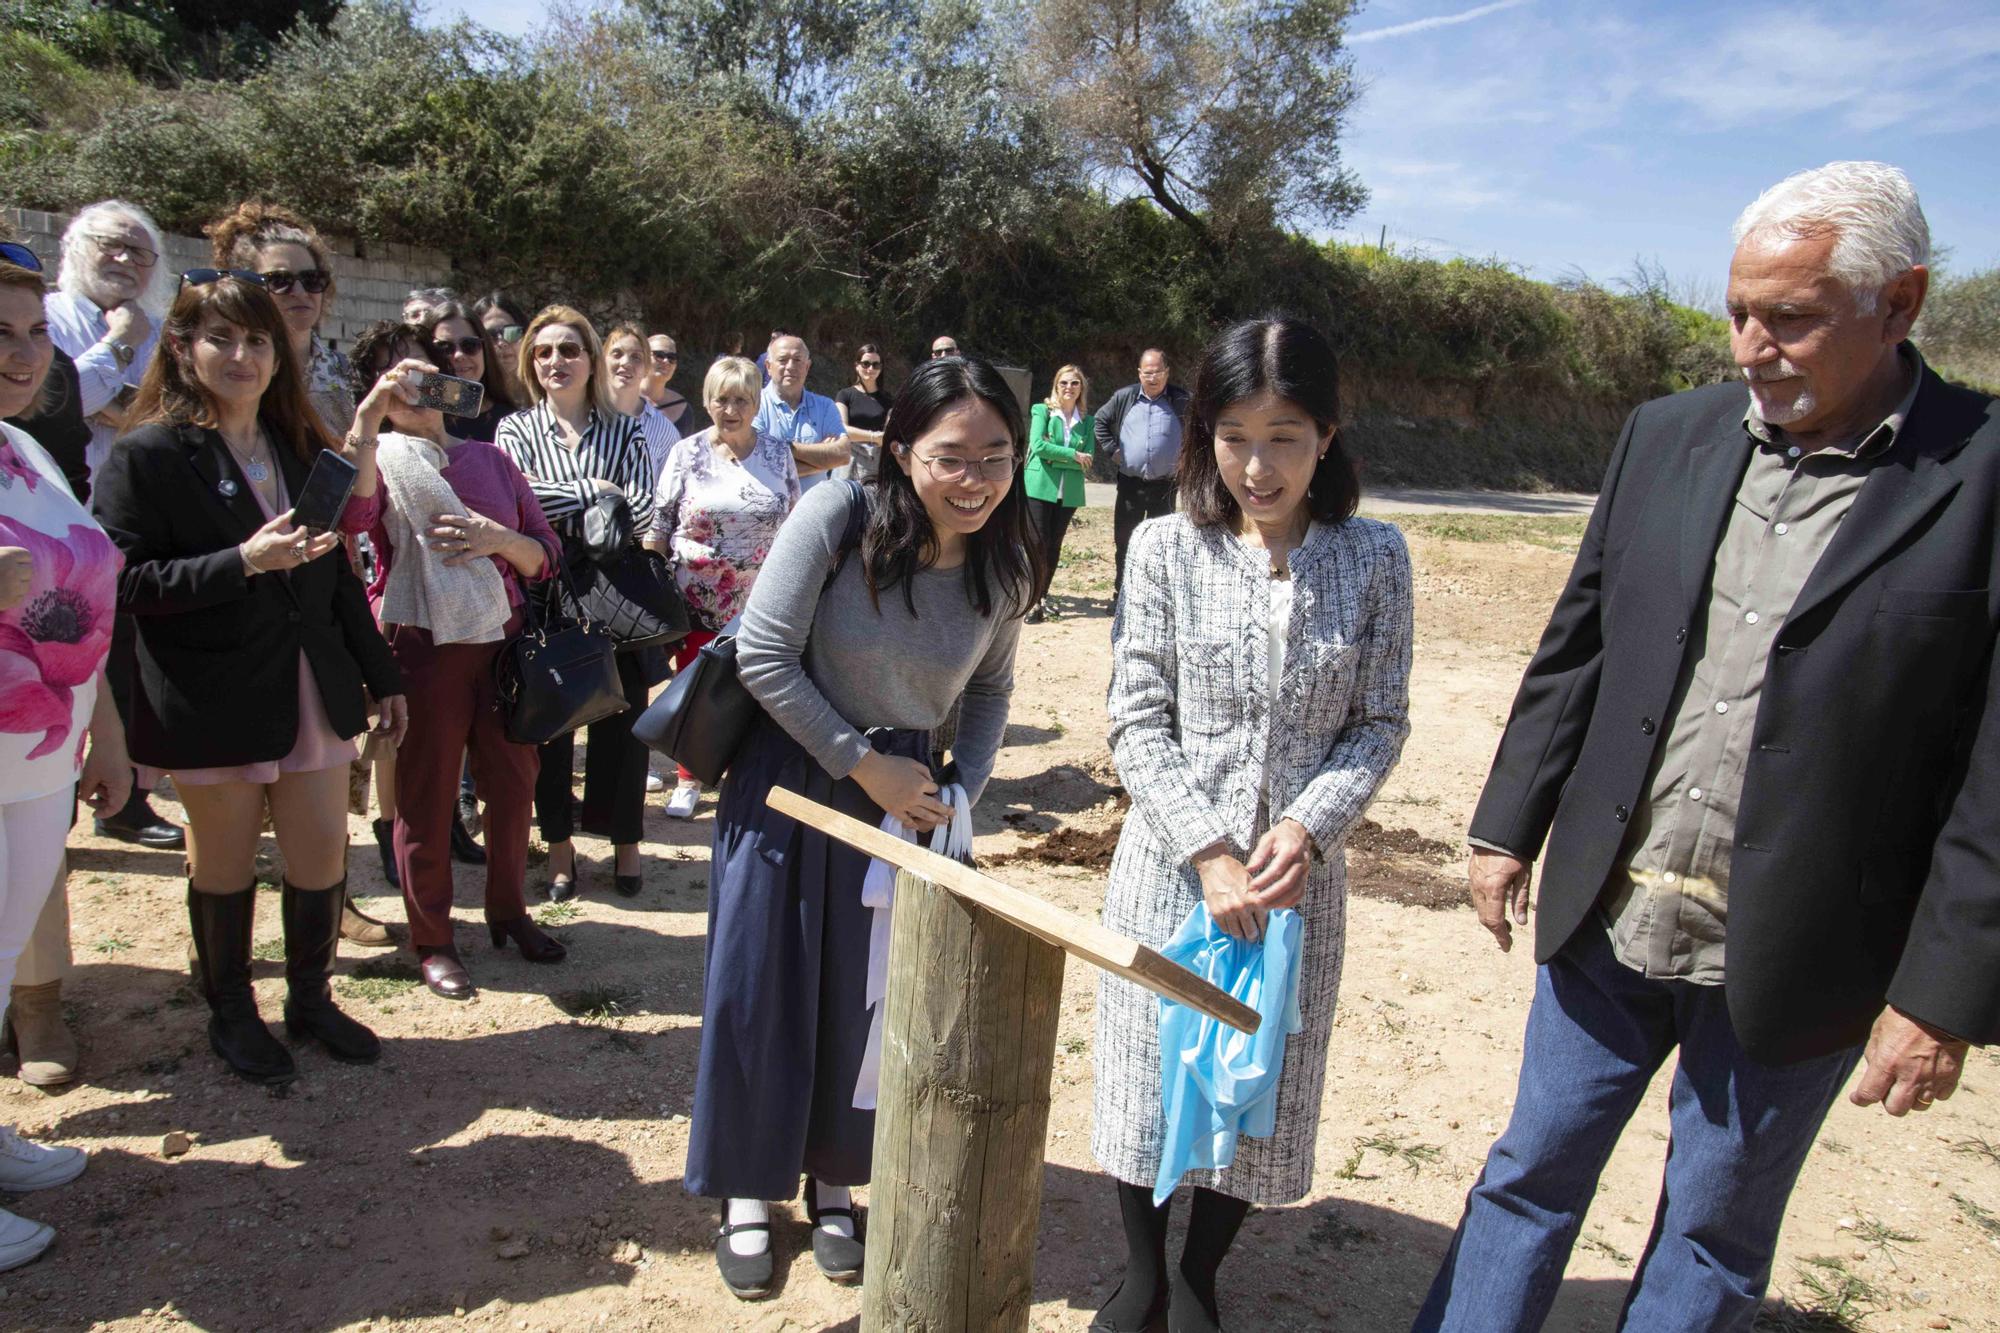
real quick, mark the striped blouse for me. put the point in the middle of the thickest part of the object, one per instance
(612, 449)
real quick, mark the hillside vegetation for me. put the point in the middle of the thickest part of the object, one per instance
(856, 170)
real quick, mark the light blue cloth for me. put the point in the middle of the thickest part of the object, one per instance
(1149, 438)
(816, 418)
(1216, 1082)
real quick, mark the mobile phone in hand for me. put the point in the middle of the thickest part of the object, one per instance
(323, 497)
(448, 393)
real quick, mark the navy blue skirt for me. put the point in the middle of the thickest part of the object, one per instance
(783, 1022)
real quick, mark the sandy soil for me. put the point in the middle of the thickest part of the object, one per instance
(515, 1163)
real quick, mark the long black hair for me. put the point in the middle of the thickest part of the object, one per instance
(1003, 556)
(1292, 360)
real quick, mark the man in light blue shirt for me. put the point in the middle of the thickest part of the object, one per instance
(807, 421)
(1139, 429)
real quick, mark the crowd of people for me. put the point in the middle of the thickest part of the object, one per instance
(876, 556)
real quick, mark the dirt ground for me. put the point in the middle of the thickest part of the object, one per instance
(515, 1163)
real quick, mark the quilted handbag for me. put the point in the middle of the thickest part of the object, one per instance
(620, 585)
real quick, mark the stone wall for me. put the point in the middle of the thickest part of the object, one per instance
(370, 282)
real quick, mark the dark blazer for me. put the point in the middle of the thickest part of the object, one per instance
(1867, 857)
(218, 651)
(1111, 416)
(62, 429)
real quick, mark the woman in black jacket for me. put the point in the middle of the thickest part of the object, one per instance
(256, 650)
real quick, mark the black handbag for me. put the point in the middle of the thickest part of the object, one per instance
(701, 720)
(620, 585)
(560, 673)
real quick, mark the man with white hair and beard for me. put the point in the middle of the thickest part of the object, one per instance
(1760, 719)
(111, 274)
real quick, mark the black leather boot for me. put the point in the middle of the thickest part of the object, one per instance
(312, 936)
(385, 830)
(221, 923)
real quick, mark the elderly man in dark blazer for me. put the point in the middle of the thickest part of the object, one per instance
(1759, 742)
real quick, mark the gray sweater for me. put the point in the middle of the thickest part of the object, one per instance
(830, 667)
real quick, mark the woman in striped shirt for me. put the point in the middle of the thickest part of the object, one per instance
(573, 444)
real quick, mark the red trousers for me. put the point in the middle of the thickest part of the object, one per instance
(454, 709)
(685, 652)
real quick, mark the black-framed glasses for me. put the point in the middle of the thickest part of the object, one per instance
(464, 346)
(202, 277)
(950, 467)
(314, 280)
(20, 256)
(113, 246)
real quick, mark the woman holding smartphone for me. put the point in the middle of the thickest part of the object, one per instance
(575, 445)
(459, 346)
(856, 650)
(256, 651)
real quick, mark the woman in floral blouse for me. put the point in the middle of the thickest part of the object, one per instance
(722, 495)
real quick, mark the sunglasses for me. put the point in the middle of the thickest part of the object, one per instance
(871, 365)
(314, 280)
(464, 346)
(511, 333)
(20, 256)
(111, 247)
(202, 277)
(666, 356)
(568, 351)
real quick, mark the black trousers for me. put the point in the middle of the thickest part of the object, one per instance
(1050, 520)
(1138, 500)
(614, 772)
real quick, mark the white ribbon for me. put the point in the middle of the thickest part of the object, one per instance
(952, 838)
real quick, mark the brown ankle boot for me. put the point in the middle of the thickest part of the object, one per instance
(37, 1033)
(357, 927)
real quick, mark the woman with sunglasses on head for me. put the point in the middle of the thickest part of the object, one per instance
(574, 445)
(504, 320)
(256, 651)
(864, 407)
(458, 345)
(458, 535)
(297, 269)
(1060, 447)
(855, 655)
(59, 731)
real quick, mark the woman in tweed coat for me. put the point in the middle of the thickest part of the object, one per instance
(1259, 698)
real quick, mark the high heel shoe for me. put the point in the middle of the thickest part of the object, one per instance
(535, 946)
(561, 888)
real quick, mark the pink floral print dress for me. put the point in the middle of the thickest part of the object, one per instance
(719, 517)
(53, 643)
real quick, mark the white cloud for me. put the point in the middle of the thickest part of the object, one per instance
(1436, 21)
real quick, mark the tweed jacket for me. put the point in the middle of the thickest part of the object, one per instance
(1192, 729)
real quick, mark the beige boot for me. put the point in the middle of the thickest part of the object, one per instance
(37, 1033)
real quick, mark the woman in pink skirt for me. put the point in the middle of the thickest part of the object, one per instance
(257, 651)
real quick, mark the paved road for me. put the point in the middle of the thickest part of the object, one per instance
(1431, 501)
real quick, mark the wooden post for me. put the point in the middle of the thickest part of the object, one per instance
(962, 1118)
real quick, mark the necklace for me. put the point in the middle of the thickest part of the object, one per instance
(253, 467)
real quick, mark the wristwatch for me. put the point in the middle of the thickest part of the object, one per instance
(123, 351)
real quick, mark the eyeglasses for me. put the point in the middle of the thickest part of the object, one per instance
(464, 346)
(20, 256)
(568, 351)
(871, 365)
(314, 280)
(949, 467)
(113, 246)
(202, 277)
(666, 356)
(510, 334)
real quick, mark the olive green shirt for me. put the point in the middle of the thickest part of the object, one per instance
(1667, 905)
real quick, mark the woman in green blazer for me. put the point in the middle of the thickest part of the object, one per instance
(1061, 440)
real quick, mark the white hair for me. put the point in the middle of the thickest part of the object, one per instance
(1870, 207)
(76, 256)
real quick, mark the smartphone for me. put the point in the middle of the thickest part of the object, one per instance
(319, 503)
(448, 393)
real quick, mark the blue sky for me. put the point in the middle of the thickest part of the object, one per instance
(1565, 134)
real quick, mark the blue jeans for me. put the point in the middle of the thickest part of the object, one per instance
(1597, 1032)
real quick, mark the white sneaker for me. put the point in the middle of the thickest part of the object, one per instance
(28, 1166)
(22, 1241)
(687, 795)
(654, 782)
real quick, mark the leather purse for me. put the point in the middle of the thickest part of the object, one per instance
(560, 673)
(701, 720)
(620, 585)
